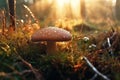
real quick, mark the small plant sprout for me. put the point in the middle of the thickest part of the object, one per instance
(92, 46)
(51, 35)
(86, 39)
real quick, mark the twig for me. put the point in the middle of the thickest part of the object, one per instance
(93, 78)
(109, 44)
(108, 40)
(3, 74)
(95, 70)
(113, 36)
(36, 73)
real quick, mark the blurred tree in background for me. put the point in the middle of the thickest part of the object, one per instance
(117, 10)
(12, 13)
(83, 9)
(94, 10)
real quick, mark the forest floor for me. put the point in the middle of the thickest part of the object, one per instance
(92, 54)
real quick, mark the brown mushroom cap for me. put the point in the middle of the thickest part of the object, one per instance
(51, 34)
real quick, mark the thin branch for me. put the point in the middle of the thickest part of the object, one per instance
(12, 73)
(93, 78)
(35, 71)
(95, 70)
(109, 44)
(108, 40)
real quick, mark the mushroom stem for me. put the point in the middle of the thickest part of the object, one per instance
(51, 47)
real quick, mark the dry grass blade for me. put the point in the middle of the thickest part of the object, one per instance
(3, 20)
(31, 13)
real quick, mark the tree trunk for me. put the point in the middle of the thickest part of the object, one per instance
(12, 13)
(83, 9)
(117, 10)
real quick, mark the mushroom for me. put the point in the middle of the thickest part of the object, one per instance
(51, 35)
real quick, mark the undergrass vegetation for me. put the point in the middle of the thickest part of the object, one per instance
(22, 59)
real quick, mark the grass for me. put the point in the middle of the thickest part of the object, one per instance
(21, 59)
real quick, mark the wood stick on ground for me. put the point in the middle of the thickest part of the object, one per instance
(94, 69)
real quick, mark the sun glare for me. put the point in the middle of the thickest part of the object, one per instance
(67, 7)
(59, 8)
(60, 2)
(113, 2)
(75, 6)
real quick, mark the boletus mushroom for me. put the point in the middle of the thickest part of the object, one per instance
(51, 35)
